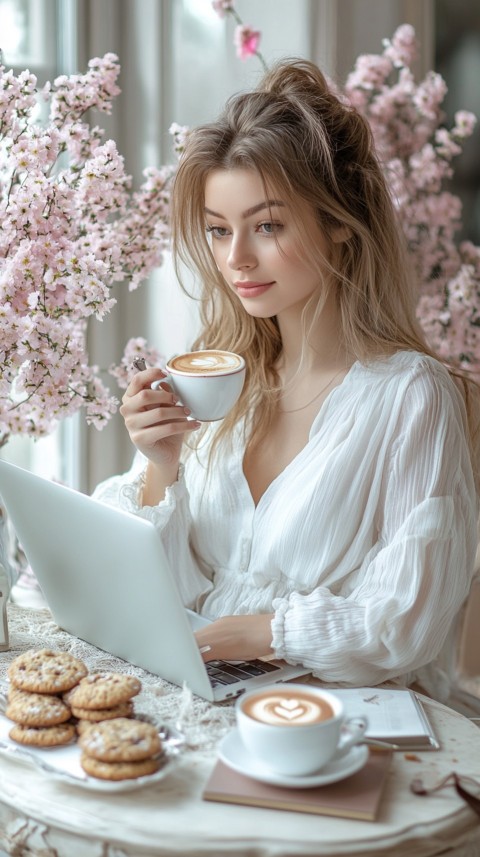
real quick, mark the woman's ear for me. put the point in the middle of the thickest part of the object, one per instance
(341, 234)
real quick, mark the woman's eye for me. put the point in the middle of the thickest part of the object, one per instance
(269, 228)
(217, 231)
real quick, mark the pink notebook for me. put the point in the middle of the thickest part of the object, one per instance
(357, 796)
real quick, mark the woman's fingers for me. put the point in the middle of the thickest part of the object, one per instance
(158, 416)
(149, 437)
(144, 379)
(153, 418)
(242, 637)
(147, 399)
(158, 422)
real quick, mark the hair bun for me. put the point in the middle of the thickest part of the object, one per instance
(295, 77)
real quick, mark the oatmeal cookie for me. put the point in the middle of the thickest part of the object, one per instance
(118, 770)
(121, 740)
(36, 709)
(95, 715)
(46, 671)
(48, 736)
(103, 690)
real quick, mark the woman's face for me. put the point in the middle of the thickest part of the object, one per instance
(256, 245)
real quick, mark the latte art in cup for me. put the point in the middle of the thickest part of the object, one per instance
(296, 729)
(287, 709)
(207, 382)
(206, 362)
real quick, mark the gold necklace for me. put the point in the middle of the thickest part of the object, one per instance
(317, 396)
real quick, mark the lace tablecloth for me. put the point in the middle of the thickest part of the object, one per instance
(47, 818)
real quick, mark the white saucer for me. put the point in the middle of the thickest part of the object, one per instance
(234, 754)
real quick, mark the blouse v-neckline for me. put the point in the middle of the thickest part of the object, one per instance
(313, 430)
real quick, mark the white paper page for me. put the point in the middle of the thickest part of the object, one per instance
(390, 713)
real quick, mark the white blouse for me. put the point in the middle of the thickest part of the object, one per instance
(363, 547)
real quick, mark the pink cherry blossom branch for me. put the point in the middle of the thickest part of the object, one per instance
(245, 38)
(69, 232)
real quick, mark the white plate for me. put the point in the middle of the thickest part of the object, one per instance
(234, 754)
(63, 764)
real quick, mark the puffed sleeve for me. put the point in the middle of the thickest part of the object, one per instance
(172, 520)
(393, 613)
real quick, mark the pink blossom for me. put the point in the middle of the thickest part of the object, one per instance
(69, 233)
(417, 151)
(135, 347)
(246, 41)
(429, 95)
(464, 123)
(402, 49)
(72, 96)
(17, 100)
(371, 72)
(222, 7)
(428, 170)
(445, 144)
(179, 134)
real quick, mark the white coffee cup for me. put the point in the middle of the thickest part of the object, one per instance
(296, 729)
(207, 382)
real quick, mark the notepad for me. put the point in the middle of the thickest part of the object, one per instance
(357, 796)
(394, 715)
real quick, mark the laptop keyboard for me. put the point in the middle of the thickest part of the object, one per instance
(223, 672)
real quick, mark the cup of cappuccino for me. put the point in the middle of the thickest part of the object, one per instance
(296, 729)
(208, 382)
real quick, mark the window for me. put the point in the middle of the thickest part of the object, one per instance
(27, 35)
(457, 58)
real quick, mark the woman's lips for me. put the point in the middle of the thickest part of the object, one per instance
(251, 290)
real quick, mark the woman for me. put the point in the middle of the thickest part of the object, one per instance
(331, 517)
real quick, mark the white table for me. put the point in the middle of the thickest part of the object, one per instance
(39, 816)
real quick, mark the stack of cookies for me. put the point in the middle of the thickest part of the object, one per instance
(102, 696)
(52, 699)
(37, 679)
(120, 749)
(115, 745)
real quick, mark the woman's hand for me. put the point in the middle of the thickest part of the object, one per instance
(155, 422)
(236, 638)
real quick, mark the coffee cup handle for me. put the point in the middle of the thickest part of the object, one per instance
(353, 730)
(166, 380)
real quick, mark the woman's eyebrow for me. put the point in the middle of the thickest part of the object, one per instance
(268, 203)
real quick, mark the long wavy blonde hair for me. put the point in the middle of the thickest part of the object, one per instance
(304, 142)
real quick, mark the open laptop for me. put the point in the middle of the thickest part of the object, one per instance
(106, 578)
